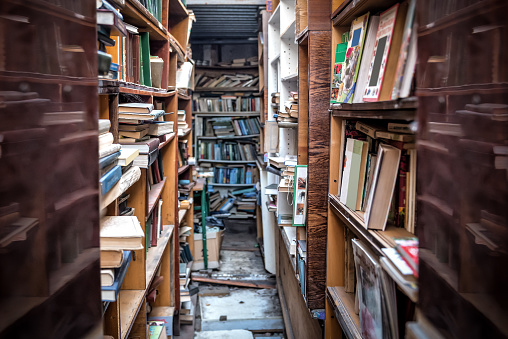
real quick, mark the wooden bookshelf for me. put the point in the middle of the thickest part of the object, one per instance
(226, 89)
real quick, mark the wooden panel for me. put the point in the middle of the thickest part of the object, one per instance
(335, 253)
(113, 116)
(318, 14)
(318, 167)
(135, 278)
(130, 304)
(332, 327)
(303, 104)
(139, 329)
(165, 296)
(303, 326)
(112, 320)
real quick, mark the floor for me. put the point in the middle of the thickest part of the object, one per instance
(237, 312)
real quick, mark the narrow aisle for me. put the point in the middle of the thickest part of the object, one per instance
(247, 304)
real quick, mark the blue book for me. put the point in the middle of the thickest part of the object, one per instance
(110, 293)
(244, 190)
(301, 273)
(109, 179)
(108, 159)
(227, 206)
(232, 176)
(248, 178)
(242, 127)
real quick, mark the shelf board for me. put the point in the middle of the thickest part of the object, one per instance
(487, 88)
(183, 169)
(285, 239)
(290, 31)
(171, 138)
(275, 59)
(200, 183)
(154, 254)
(232, 138)
(227, 114)
(303, 36)
(184, 97)
(154, 195)
(479, 8)
(182, 214)
(291, 77)
(185, 133)
(227, 161)
(107, 86)
(287, 124)
(136, 14)
(226, 89)
(231, 185)
(275, 17)
(375, 239)
(404, 109)
(343, 305)
(226, 67)
(53, 10)
(130, 303)
(352, 9)
(18, 76)
(177, 9)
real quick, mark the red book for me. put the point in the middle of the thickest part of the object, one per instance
(155, 222)
(157, 172)
(408, 249)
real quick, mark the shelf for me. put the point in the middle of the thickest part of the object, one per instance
(287, 124)
(154, 254)
(274, 60)
(290, 31)
(479, 8)
(171, 138)
(303, 36)
(107, 86)
(226, 89)
(291, 77)
(487, 88)
(343, 305)
(184, 97)
(53, 10)
(18, 77)
(275, 17)
(181, 215)
(373, 238)
(231, 185)
(136, 14)
(225, 67)
(292, 258)
(227, 161)
(177, 8)
(232, 138)
(186, 132)
(183, 169)
(130, 303)
(227, 114)
(154, 195)
(353, 9)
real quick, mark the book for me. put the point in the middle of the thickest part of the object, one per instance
(121, 233)
(383, 186)
(111, 258)
(144, 147)
(353, 58)
(109, 150)
(158, 128)
(135, 107)
(157, 330)
(354, 158)
(107, 277)
(127, 155)
(105, 140)
(368, 50)
(383, 54)
(152, 115)
(108, 159)
(133, 134)
(110, 179)
(104, 126)
(340, 56)
(408, 250)
(145, 68)
(110, 293)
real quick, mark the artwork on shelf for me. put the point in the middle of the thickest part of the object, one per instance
(300, 196)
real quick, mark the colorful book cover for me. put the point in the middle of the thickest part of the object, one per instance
(351, 64)
(340, 55)
(300, 195)
(380, 55)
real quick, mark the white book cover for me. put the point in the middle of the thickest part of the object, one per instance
(119, 229)
(368, 49)
(380, 56)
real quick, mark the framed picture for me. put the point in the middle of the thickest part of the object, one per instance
(300, 196)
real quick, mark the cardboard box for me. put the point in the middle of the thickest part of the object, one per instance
(213, 246)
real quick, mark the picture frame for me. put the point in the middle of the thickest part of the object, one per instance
(300, 196)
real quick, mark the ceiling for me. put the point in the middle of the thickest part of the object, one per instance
(224, 23)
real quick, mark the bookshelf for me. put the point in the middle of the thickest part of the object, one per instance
(348, 223)
(49, 168)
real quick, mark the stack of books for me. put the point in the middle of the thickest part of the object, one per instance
(226, 81)
(183, 126)
(290, 113)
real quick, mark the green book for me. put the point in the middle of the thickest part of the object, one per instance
(351, 174)
(340, 55)
(145, 59)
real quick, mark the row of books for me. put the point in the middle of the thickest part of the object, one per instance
(228, 151)
(377, 57)
(234, 175)
(226, 103)
(229, 127)
(289, 113)
(379, 174)
(225, 80)
(183, 126)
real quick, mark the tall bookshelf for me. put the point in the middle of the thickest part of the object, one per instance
(49, 189)
(127, 317)
(298, 60)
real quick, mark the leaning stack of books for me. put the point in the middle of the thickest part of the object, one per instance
(290, 113)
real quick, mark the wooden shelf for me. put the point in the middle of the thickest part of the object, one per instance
(154, 195)
(136, 14)
(227, 114)
(487, 88)
(130, 303)
(53, 10)
(373, 238)
(355, 8)
(232, 138)
(302, 37)
(107, 86)
(168, 141)
(343, 305)
(227, 161)
(183, 169)
(226, 89)
(403, 109)
(154, 254)
(17, 76)
(184, 97)
(289, 32)
(181, 215)
(186, 132)
(231, 185)
(177, 9)
(226, 67)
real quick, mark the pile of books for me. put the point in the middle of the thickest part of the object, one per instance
(225, 81)
(239, 204)
(226, 103)
(377, 57)
(290, 113)
(183, 126)
(275, 103)
(380, 153)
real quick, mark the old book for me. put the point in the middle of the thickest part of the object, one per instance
(110, 293)
(132, 127)
(383, 186)
(105, 140)
(158, 128)
(135, 107)
(353, 159)
(152, 115)
(108, 160)
(110, 178)
(111, 258)
(127, 180)
(144, 147)
(121, 233)
(109, 150)
(104, 126)
(368, 50)
(133, 134)
(107, 277)
(127, 155)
